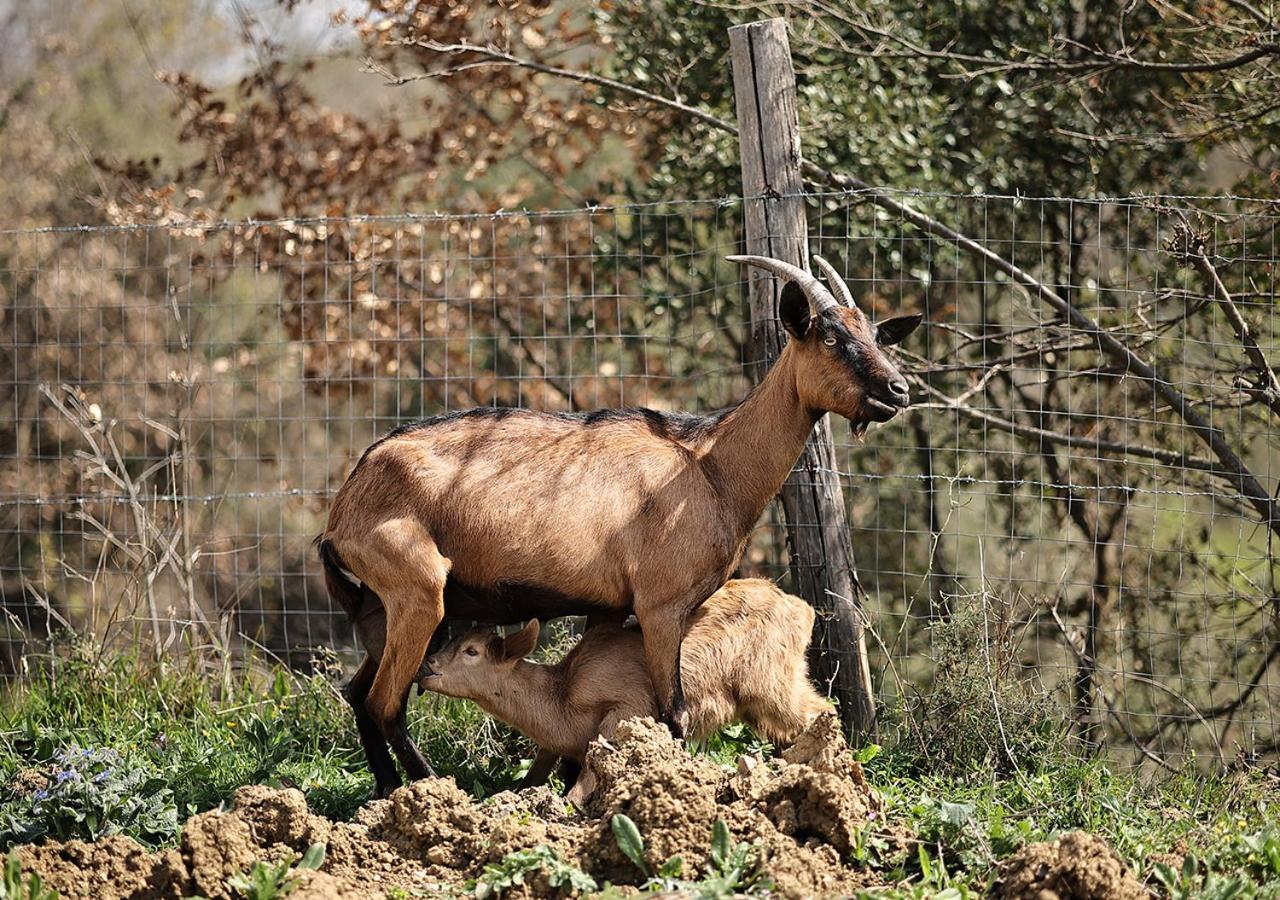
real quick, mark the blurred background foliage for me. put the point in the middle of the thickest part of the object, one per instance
(252, 362)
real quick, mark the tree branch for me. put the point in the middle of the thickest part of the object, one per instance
(1232, 466)
(493, 56)
(1188, 245)
(1168, 457)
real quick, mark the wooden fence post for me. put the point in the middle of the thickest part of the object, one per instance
(817, 524)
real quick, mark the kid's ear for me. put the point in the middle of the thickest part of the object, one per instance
(522, 643)
(793, 309)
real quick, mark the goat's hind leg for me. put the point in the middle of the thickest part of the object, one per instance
(408, 572)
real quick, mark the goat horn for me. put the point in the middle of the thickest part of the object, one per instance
(819, 297)
(833, 277)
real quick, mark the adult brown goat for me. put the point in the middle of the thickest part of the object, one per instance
(504, 515)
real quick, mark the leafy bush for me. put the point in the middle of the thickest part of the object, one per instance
(88, 794)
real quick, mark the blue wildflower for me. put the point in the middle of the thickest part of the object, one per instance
(67, 775)
(41, 794)
(101, 776)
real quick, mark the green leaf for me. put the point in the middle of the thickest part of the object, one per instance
(279, 686)
(867, 753)
(1190, 868)
(926, 867)
(956, 814)
(629, 841)
(313, 858)
(672, 867)
(720, 843)
(1166, 876)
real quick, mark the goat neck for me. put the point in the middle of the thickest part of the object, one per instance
(753, 448)
(531, 700)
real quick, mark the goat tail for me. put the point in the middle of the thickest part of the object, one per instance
(341, 584)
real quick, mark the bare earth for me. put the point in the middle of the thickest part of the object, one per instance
(1077, 866)
(803, 812)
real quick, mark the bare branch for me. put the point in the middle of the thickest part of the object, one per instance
(1257, 15)
(493, 56)
(1168, 457)
(1232, 466)
(1107, 701)
(1188, 244)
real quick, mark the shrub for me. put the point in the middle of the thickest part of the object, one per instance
(88, 794)
(979, 710)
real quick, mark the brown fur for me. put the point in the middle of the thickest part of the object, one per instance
(607, 517)
(743, 659)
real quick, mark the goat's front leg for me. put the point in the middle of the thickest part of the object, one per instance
(544, 763)
(663, 625)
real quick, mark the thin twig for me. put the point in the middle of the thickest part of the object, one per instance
(1111, 708)
(1189, 244)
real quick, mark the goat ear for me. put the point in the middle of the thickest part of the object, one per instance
(793, 309)
(892, 331)
(522, 643)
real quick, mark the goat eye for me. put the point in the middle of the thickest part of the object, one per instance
(830, 342)
(471, 651)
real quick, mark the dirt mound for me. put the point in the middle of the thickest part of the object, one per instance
(112, 867)
(1077, 866)
(263, 824)
(801, 818)
(802, 812)
(670, 796)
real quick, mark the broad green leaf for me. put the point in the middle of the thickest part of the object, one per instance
(313, 858)
(629, 841)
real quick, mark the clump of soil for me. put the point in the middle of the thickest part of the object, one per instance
(801, 812)
(642, 773)
(1076, 866)
(115, 864)
(26, 782)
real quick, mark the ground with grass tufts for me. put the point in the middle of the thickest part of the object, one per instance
(102, 758)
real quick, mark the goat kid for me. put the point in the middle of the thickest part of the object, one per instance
(504, 515)
(743, 659)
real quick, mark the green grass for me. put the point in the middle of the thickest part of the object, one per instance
(201, 735)
(965, 823)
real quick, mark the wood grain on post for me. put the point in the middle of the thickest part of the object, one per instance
(817, 524)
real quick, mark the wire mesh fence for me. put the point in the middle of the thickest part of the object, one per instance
(182, 401)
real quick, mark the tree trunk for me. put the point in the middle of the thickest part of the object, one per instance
(774, 211)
